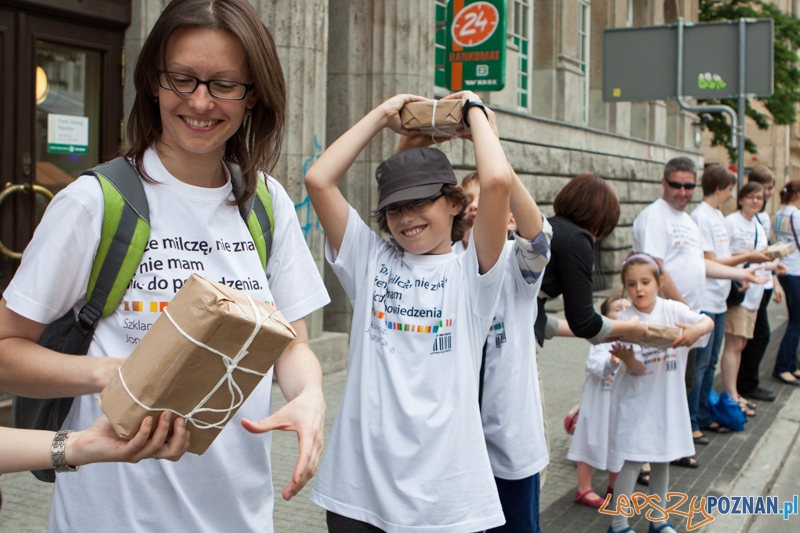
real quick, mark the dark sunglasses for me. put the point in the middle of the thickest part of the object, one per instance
(677, 185)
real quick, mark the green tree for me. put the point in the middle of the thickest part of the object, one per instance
(781, 105)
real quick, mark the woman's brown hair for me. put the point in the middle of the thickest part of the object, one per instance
(789, 191)
(455, 196)
(256, 145)
(590, 203)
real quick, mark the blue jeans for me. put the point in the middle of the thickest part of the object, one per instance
(705, 364)
(520, 501)
(787, 353)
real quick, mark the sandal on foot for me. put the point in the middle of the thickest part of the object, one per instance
(747, 403)
(702, 439)
(584, 499)
(686, 462)
(746, 410)
(666, 527)
(643, 478)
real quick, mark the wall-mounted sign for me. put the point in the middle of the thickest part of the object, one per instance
(67, 134)
(476, 45)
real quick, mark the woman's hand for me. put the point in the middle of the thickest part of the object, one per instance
(101, 444)
(305, 415)
(635, 330)
(391, 111)
(778, 295)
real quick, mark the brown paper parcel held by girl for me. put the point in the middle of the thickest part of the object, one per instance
(660, 336)
(167, 371)
(420, 116)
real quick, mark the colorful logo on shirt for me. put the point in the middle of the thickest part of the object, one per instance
(414, 328)
(152, 307)
(499, 331)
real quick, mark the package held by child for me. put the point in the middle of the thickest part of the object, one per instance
(441, 118)
(202, 358)
(660, 336)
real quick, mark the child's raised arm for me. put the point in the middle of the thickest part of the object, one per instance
(692, 332)
(494, 178)
(322, 179)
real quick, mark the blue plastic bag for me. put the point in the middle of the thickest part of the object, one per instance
(726, 412)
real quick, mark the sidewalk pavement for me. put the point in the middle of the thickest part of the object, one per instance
(761, 460)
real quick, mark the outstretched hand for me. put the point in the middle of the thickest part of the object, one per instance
(305, 415)
(101, 444)
(689, 335)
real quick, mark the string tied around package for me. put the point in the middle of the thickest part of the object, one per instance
(231, 364)
(440, 132)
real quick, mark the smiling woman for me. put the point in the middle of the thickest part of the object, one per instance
(210, 95)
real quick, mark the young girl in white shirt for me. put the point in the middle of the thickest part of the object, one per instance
(589, 446)
(650, 414)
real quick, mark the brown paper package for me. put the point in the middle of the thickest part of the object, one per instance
(660, 336)
(167, 371)
(417, 116)
(778, 250)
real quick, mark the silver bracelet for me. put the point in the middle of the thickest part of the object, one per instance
(57, 450)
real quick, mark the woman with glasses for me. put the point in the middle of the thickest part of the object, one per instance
(745, 234)
(210, 94)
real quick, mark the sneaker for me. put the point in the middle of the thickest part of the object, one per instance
(760, 394)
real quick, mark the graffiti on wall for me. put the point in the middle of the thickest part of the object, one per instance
(305, 214)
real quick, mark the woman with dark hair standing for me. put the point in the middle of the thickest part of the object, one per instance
(586, 210)
(210, 93)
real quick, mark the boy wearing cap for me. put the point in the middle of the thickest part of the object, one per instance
(406, 452)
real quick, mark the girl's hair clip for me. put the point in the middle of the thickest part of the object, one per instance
(644, 257)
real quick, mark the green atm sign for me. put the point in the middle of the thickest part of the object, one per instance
(476, 45)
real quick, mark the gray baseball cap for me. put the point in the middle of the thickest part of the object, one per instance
(412, 175)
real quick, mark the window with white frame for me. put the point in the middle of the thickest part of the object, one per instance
(584, 26)
(520, 36)
(441, 36)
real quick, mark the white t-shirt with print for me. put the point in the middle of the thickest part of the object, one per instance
(511, 411)
(786, 218)
(649, 412)
(713, 238)
(672, 236)
(406, 452)
(194, 230)
(763, 219)
(590, 441)
(743, 234)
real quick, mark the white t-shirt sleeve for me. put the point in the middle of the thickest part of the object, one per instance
(57, 263)
(690, 316)
(483, 289)
(598, 361)
(294, 280)
(655, 237)
(359, 245)
(706, 231)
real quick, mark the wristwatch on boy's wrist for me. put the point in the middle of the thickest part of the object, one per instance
(57, 450)
(465, 110)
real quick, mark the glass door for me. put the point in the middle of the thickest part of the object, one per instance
(61, 94)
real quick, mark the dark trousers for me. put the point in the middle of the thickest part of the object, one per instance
(341, 524)
(520, 501)
(747, 380)
(787, 352)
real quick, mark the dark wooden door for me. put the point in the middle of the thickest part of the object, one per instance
(61, 107)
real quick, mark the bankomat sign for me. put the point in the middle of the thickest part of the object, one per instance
(476, 45)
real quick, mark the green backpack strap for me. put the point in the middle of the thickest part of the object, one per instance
(257, 213)
(126, 230)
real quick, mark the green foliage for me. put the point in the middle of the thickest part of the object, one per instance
(781, 105)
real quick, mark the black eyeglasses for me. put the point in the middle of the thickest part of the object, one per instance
(677, 185)
(185, 84)
(416, 205)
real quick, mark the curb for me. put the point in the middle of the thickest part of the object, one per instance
(762, 467)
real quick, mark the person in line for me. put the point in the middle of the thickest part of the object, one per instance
(649, 413)
(586, 210)
(746, 235)
(406, 449)
(664, 231)
(787, 226)
(747, 382)
(717, 183)
(209, 92)
(25, 449)
(589, 446)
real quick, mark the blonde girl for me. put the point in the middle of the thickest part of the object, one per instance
(650, 413)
